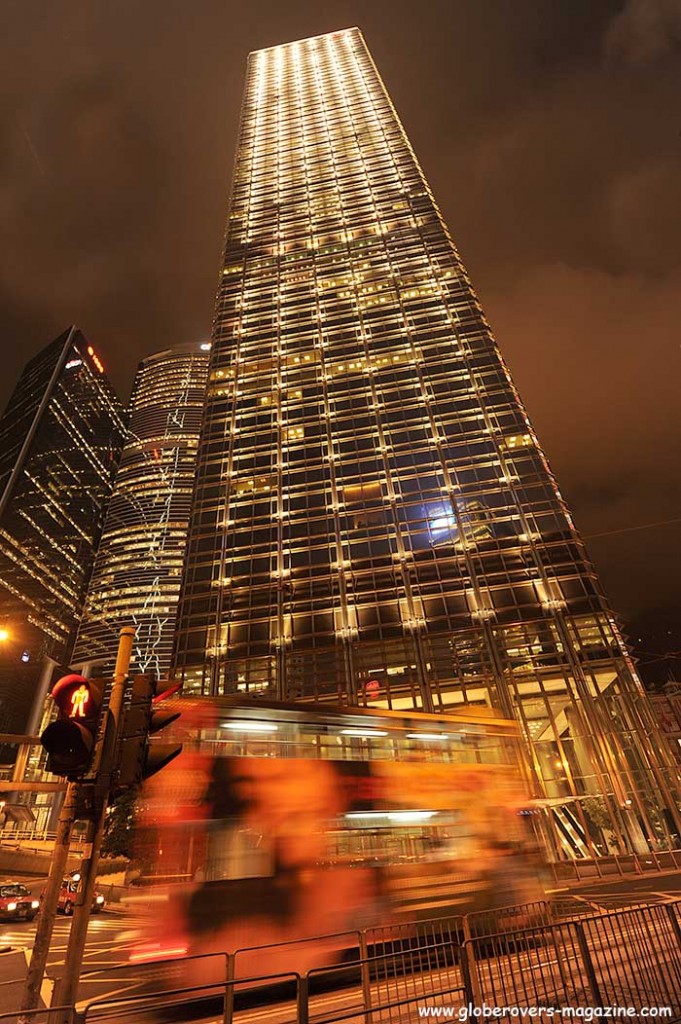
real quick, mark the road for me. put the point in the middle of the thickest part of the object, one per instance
(625, 892)
(548, 970)
(110, 938)
(107, 973)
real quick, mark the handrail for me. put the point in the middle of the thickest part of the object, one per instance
(387, 1006)
(586, 938)
(228, 984)
(584, 869)
(45, 1012)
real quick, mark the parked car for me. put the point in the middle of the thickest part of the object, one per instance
(17, 903)
(68, 893)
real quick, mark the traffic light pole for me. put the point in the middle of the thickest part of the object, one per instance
(48, 909)
(68, 984)
(46, 917)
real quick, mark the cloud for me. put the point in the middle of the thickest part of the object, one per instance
(603, 352)
(557, 170)
(642, 213)
(597, 359)
(644, 32)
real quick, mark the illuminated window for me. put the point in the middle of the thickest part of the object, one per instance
(293, 433)
(251, 484)
(362, 493)
(516, 441)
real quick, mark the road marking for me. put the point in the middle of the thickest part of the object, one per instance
(103, 949)
(82, 1003)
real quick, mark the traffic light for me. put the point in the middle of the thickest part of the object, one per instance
(143, 716)
(70, 739)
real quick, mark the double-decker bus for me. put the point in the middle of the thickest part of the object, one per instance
(281, 823)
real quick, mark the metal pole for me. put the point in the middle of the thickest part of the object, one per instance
(7, 786)
(40, 695)
(21, 762)
(48, 911)
(37, 712)
(81, 914)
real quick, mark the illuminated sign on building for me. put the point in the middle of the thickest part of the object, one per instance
(95, 359)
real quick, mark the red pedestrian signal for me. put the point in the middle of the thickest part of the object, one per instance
(70, 739)
(80, 699)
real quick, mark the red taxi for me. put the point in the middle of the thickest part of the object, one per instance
(17, 903)
(68, 893)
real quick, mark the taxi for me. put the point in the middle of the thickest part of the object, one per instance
(17, 903)
(68, 893)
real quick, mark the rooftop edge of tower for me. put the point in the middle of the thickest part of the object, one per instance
(296, 42)
(200, 348)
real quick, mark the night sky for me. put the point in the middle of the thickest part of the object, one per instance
(550, 131)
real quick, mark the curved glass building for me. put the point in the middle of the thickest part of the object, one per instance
(375, 521)
(137, 573)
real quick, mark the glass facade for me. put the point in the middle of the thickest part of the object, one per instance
(137, 573)
(60, 441)
(375, 521)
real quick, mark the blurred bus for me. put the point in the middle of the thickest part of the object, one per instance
(281, 823)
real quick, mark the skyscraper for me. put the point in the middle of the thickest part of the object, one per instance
(374, 519)
(138, 569)
(60, 441)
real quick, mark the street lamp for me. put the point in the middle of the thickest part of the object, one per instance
(4, 636)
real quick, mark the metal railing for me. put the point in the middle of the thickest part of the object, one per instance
(627, 958)
(18, 836)
(617, 866)
(636, 954)
(502, 919)
(213, 970)
(361, 987)
(385, 960)
(51, 1015)
(133, 1008)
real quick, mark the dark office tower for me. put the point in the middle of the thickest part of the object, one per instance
(60, 441)
(138, 570)
(375, 521)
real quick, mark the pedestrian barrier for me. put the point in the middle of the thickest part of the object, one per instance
(381, 938)
(636, 955)
(139, 1009)
(18, 836)
(525, 915)
(403, 975)
(209, 970)
(615, 866)
(53, 1015)
(528, 967)
(566, 907)
(621, 958)
(398, 1007)
(502, 919)
(304, 952)
(627, 958)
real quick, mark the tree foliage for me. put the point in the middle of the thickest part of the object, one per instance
(119, 827)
